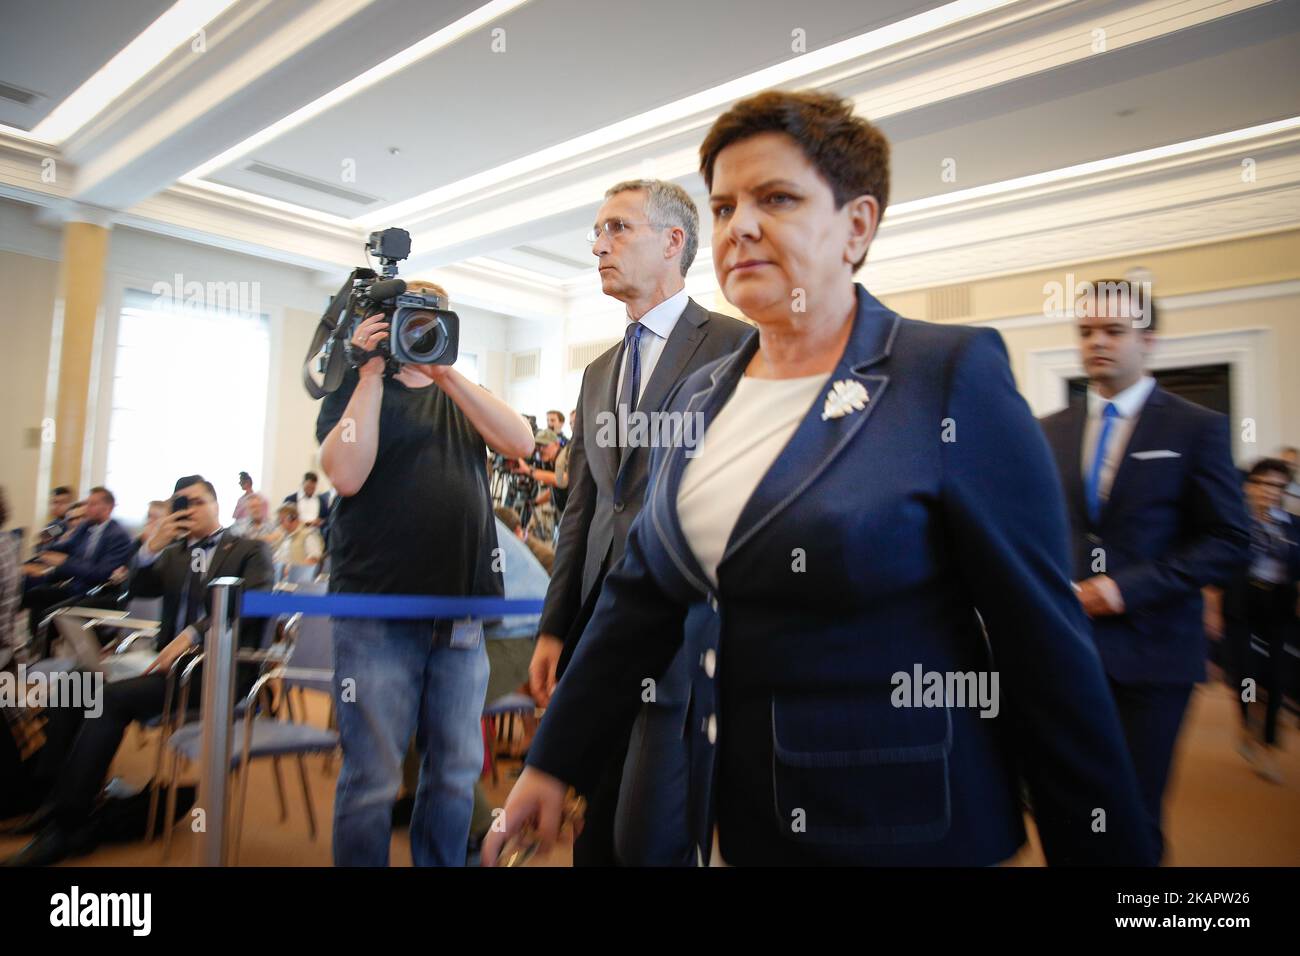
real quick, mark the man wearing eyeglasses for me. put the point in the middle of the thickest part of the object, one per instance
(644, 239)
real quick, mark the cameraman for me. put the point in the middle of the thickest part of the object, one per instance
(549, 497)
(405, 454)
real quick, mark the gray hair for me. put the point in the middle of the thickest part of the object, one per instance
(667, 204)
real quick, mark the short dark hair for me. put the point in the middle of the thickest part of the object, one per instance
(310, 476)
(556, 411)
(101, 490)
(1266, 465)
(188, 480)
(1148, 301)
(245, 476)
(849, 152)
(60, 490)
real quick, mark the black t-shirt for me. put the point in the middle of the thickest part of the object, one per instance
(422, 523)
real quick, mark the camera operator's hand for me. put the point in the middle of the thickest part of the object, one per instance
(169, 529)
(372, 330)
(541, 669)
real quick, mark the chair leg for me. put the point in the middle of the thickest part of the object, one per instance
(306, 797)
(172, 787)
(279, 789)
(155, 785)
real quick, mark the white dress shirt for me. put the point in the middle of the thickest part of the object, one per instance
(308, 507)
(659, 323)
(1129, 405)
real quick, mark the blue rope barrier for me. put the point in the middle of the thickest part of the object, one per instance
(392, 606)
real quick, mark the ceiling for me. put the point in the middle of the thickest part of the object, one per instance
(491, 130)
(89, 35)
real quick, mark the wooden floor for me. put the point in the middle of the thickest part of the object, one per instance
(1219, 812)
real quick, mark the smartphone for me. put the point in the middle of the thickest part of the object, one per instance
(180, 503)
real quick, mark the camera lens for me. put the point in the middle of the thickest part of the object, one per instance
(423, 336)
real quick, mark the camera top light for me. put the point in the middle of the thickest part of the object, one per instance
(390, 243)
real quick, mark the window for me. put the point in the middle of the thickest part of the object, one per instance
(189, 397)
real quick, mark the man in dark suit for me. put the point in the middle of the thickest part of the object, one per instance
(62, 573)
(1156, 514)
(187, 551)
(313, 508)
(645, 239)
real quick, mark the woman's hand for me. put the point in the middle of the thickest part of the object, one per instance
(537, 800)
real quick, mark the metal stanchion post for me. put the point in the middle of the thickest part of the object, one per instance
(218, 703)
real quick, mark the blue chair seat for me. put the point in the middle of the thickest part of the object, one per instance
(510, 703)
(271, 738)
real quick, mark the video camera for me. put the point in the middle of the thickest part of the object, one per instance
(421, 329)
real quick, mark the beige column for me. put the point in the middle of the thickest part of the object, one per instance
(76, 315)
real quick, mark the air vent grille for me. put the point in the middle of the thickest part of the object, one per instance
(307, 182)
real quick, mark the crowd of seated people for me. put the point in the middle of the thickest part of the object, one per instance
(63, 789)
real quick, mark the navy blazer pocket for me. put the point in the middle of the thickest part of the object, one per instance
(881, 776)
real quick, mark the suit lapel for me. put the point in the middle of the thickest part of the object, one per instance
(683, 342)
(219, 557)
(1072, 476)
(603, 377)
(817, 440)
(1146, 427)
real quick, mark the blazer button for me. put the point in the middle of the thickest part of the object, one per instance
(710, 662)
(618, 507)
(713, 602)
(711, 729)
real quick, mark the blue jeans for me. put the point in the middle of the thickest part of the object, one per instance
(394, 680)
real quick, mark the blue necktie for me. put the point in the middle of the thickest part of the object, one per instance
(631, 389)
(1092, 487)
(632, 373)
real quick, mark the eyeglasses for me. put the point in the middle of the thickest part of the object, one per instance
(617, 227)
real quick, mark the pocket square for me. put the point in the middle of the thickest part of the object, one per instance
(1162, 453)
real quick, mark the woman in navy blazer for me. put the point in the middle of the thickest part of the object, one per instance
(910, 530)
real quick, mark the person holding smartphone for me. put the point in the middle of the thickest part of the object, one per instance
(187, 550)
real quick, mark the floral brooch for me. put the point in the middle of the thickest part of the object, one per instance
(845, 398)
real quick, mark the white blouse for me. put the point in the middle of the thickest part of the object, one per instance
(739, 447)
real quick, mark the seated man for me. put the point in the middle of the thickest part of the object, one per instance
(61, 574)
(188, 549)
(255, 523)
(294, 543)
(61, 500)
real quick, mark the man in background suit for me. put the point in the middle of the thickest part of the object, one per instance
(313, 508)
(64, 571)
(187, 551)
(1156, 513)
(644, 240)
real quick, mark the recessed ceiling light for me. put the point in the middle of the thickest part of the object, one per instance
(394, 64)
(1097, 166)
(179, 24)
